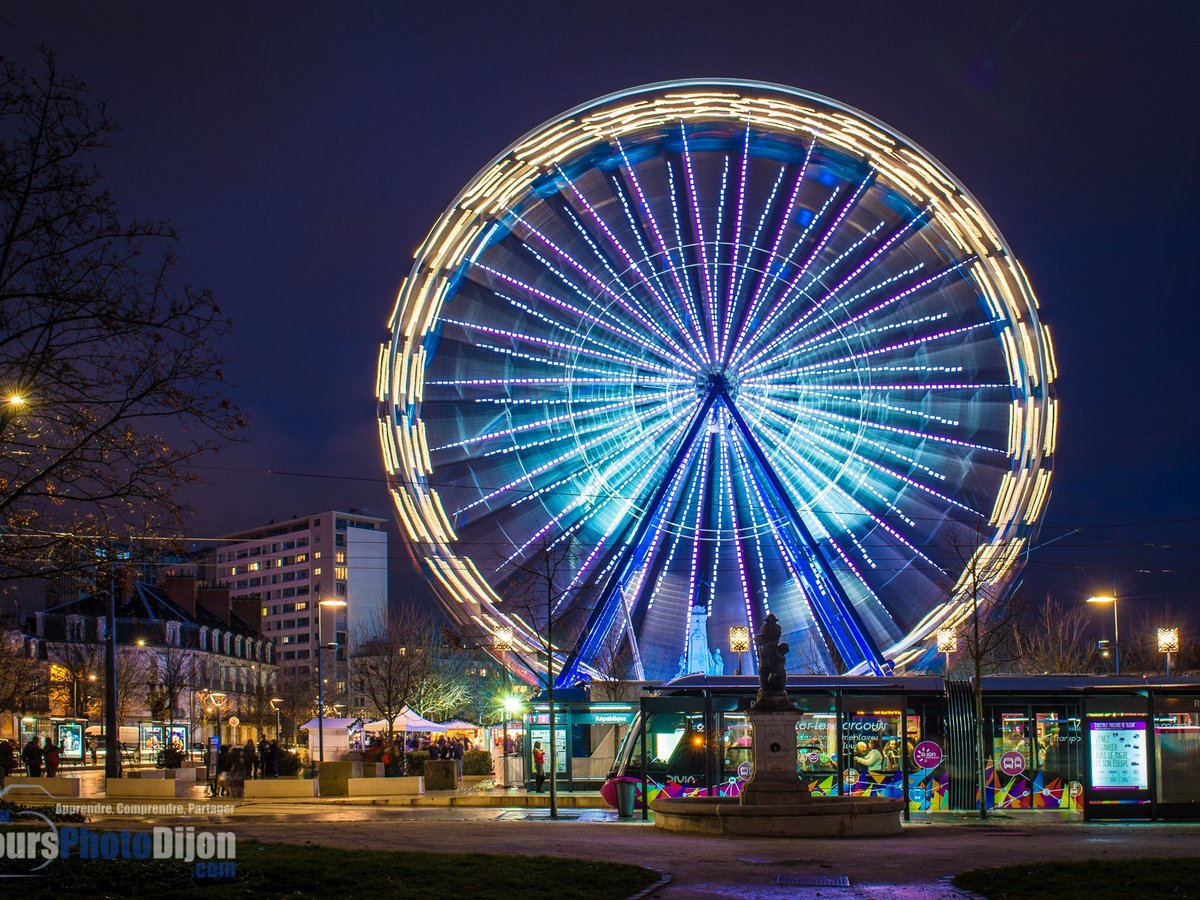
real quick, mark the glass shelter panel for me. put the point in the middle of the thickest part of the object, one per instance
(872, 747)
(1177, 741)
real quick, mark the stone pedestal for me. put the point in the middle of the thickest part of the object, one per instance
(774, 781)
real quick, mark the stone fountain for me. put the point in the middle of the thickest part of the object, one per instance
(775, 802)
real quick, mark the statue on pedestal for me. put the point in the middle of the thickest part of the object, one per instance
(772, 668)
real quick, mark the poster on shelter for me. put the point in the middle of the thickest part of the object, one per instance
(560, 746)
(1119, 755)
(70, 740)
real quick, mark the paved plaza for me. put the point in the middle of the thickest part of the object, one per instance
(917, 863)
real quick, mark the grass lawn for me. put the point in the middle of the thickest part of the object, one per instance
(1087, 880)
(286, 870)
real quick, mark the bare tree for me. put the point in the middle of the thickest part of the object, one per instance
(134, 676)
(989, 627)
(24, 685)
(75, 665)
(1053, 637)
(110, 378)
(542, 585)
(256, 699)
(297, 699)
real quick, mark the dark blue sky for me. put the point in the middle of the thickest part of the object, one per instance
(303, 150)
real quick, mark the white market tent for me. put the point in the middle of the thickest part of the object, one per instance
(406, 721)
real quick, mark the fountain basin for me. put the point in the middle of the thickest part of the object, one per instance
(816, 817)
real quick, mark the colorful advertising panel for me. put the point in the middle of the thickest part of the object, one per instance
(542, 734)
(1119, 755)
(70, 740)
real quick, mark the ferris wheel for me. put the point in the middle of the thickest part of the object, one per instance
(738, 350)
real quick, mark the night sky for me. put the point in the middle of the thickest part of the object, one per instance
(304, 150)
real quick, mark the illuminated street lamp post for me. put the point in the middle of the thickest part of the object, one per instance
(1116, 631)
(502, 642)
(275, 701)
(947, 642)
(739, 643)
(1168, 643)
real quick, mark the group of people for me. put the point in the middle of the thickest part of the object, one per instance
(38, 759)
(394, 756)
(236, 764)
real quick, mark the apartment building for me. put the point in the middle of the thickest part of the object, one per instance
(291, 567)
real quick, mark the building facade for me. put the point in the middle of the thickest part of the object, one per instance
(190, 661)
(290, 568)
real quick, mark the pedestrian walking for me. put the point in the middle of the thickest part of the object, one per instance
(51, 756)
(8, 758)
(456, 753)
(539, 766)
(31, 755)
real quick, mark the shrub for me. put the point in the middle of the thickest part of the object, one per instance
(289, 762)
(477, 762)
(416, 762)
(169, 758)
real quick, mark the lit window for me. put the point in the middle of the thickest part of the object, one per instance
(303, 604)
(254, 567)
(339, 572)
(340, 556)
(317, 570)
(265, 611)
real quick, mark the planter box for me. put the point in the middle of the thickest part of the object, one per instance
(263, 788)
(23, 787)
(147, 773)
(145, 788)
(334, 776)
(441, 775)
(409, 785)
(188, 774)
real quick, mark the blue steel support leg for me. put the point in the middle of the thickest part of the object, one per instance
(634, 555)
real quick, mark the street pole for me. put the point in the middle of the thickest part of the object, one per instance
(320, 707)
(1116, 637)
(112, 745)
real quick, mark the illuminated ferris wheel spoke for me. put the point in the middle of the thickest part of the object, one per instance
(791, 292)
(649, 284)
(834, 451)
(744, 271)
(831, 454)
(692, 334)
(630, 261)
(776, 270)
(624, 298)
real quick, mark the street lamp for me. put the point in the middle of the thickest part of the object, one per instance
(947, 642)
(1116, 631)
(219, 701)
(739, 643)
(274, 701)
(502, 642)
(1168, 643)
(322, 646)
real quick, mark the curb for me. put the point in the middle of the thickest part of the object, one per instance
(664, 878)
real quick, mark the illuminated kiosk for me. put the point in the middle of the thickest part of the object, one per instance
(775, 802)
(748, 350)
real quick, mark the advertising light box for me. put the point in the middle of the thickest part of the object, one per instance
(1119, 755)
